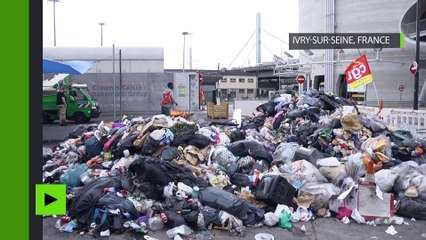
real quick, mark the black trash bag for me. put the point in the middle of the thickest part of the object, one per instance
(200, 141)
(116, 223)
(93, 147)
(183, 138)
(150, 146)
(260, 165)
(232, 168)
(412, 208)
(170, 153)
(237, 135)
(328, 103)
(127, 144)
(314, 114)
(248, 124)
(311, 155)
(179, 173)
(372, 124)
(268, 108)
(174, 219)
(259, 121)
(127, 181)
(278, 121)
(255, 215)
(191, 219)
(335, 123)
(174, 203)
(297, 113)
(77, 132)
(151, 191)
(223, 200)
(148, 169)
(240, 179)
(113, 201)
(401, 153)
(84, 203)
(211, 216)
(391, 164)
(249, 148)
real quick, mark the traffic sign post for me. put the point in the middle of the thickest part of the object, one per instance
(401, 88)
(413, 68)
(300, 79)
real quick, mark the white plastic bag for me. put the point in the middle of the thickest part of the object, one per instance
(271, 219)
(385, 179)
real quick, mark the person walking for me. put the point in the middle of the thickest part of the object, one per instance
(167, 102)
(61, 104)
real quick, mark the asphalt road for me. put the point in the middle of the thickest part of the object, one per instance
(319, 229)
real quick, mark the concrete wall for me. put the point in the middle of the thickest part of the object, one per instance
(141, 92)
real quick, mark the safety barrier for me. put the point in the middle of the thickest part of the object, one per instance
(248, 106)
(413, 119)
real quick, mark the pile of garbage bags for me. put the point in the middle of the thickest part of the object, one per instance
(295, 159)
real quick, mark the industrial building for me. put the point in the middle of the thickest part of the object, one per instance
(390, 67)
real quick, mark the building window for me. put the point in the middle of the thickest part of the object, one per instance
(223, 80)
(241, 91)
(241, 80)
(250, 91)
(233, 80)
(250, 80)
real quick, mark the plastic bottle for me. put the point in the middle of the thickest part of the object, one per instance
(195, 192)
(109, 189)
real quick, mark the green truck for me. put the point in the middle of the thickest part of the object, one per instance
(81, 106)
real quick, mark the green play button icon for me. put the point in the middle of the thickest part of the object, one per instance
(48, 199)
(51, 199)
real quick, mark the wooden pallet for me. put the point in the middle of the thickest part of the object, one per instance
(220, 111)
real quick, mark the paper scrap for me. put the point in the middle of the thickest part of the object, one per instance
(345, 220)
(391, 230)
(379, 192)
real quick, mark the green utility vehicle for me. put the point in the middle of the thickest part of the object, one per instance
(81, 106)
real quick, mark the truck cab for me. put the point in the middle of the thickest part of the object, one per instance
(81, 106)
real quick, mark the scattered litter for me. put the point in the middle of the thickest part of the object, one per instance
(264, 236)
(345, 220)
(305, 157)
(391, 230)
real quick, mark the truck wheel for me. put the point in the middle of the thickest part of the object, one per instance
(79, 117)
(47, 118)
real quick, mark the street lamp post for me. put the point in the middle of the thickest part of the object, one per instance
(184, 35)
(54, 20)
(102, 32)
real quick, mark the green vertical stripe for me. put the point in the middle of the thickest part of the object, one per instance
(401, 40)
(14, 144)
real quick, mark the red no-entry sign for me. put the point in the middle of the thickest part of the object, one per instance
(300, 79)
(413, 68)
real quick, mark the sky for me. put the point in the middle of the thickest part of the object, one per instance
(220, 29)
